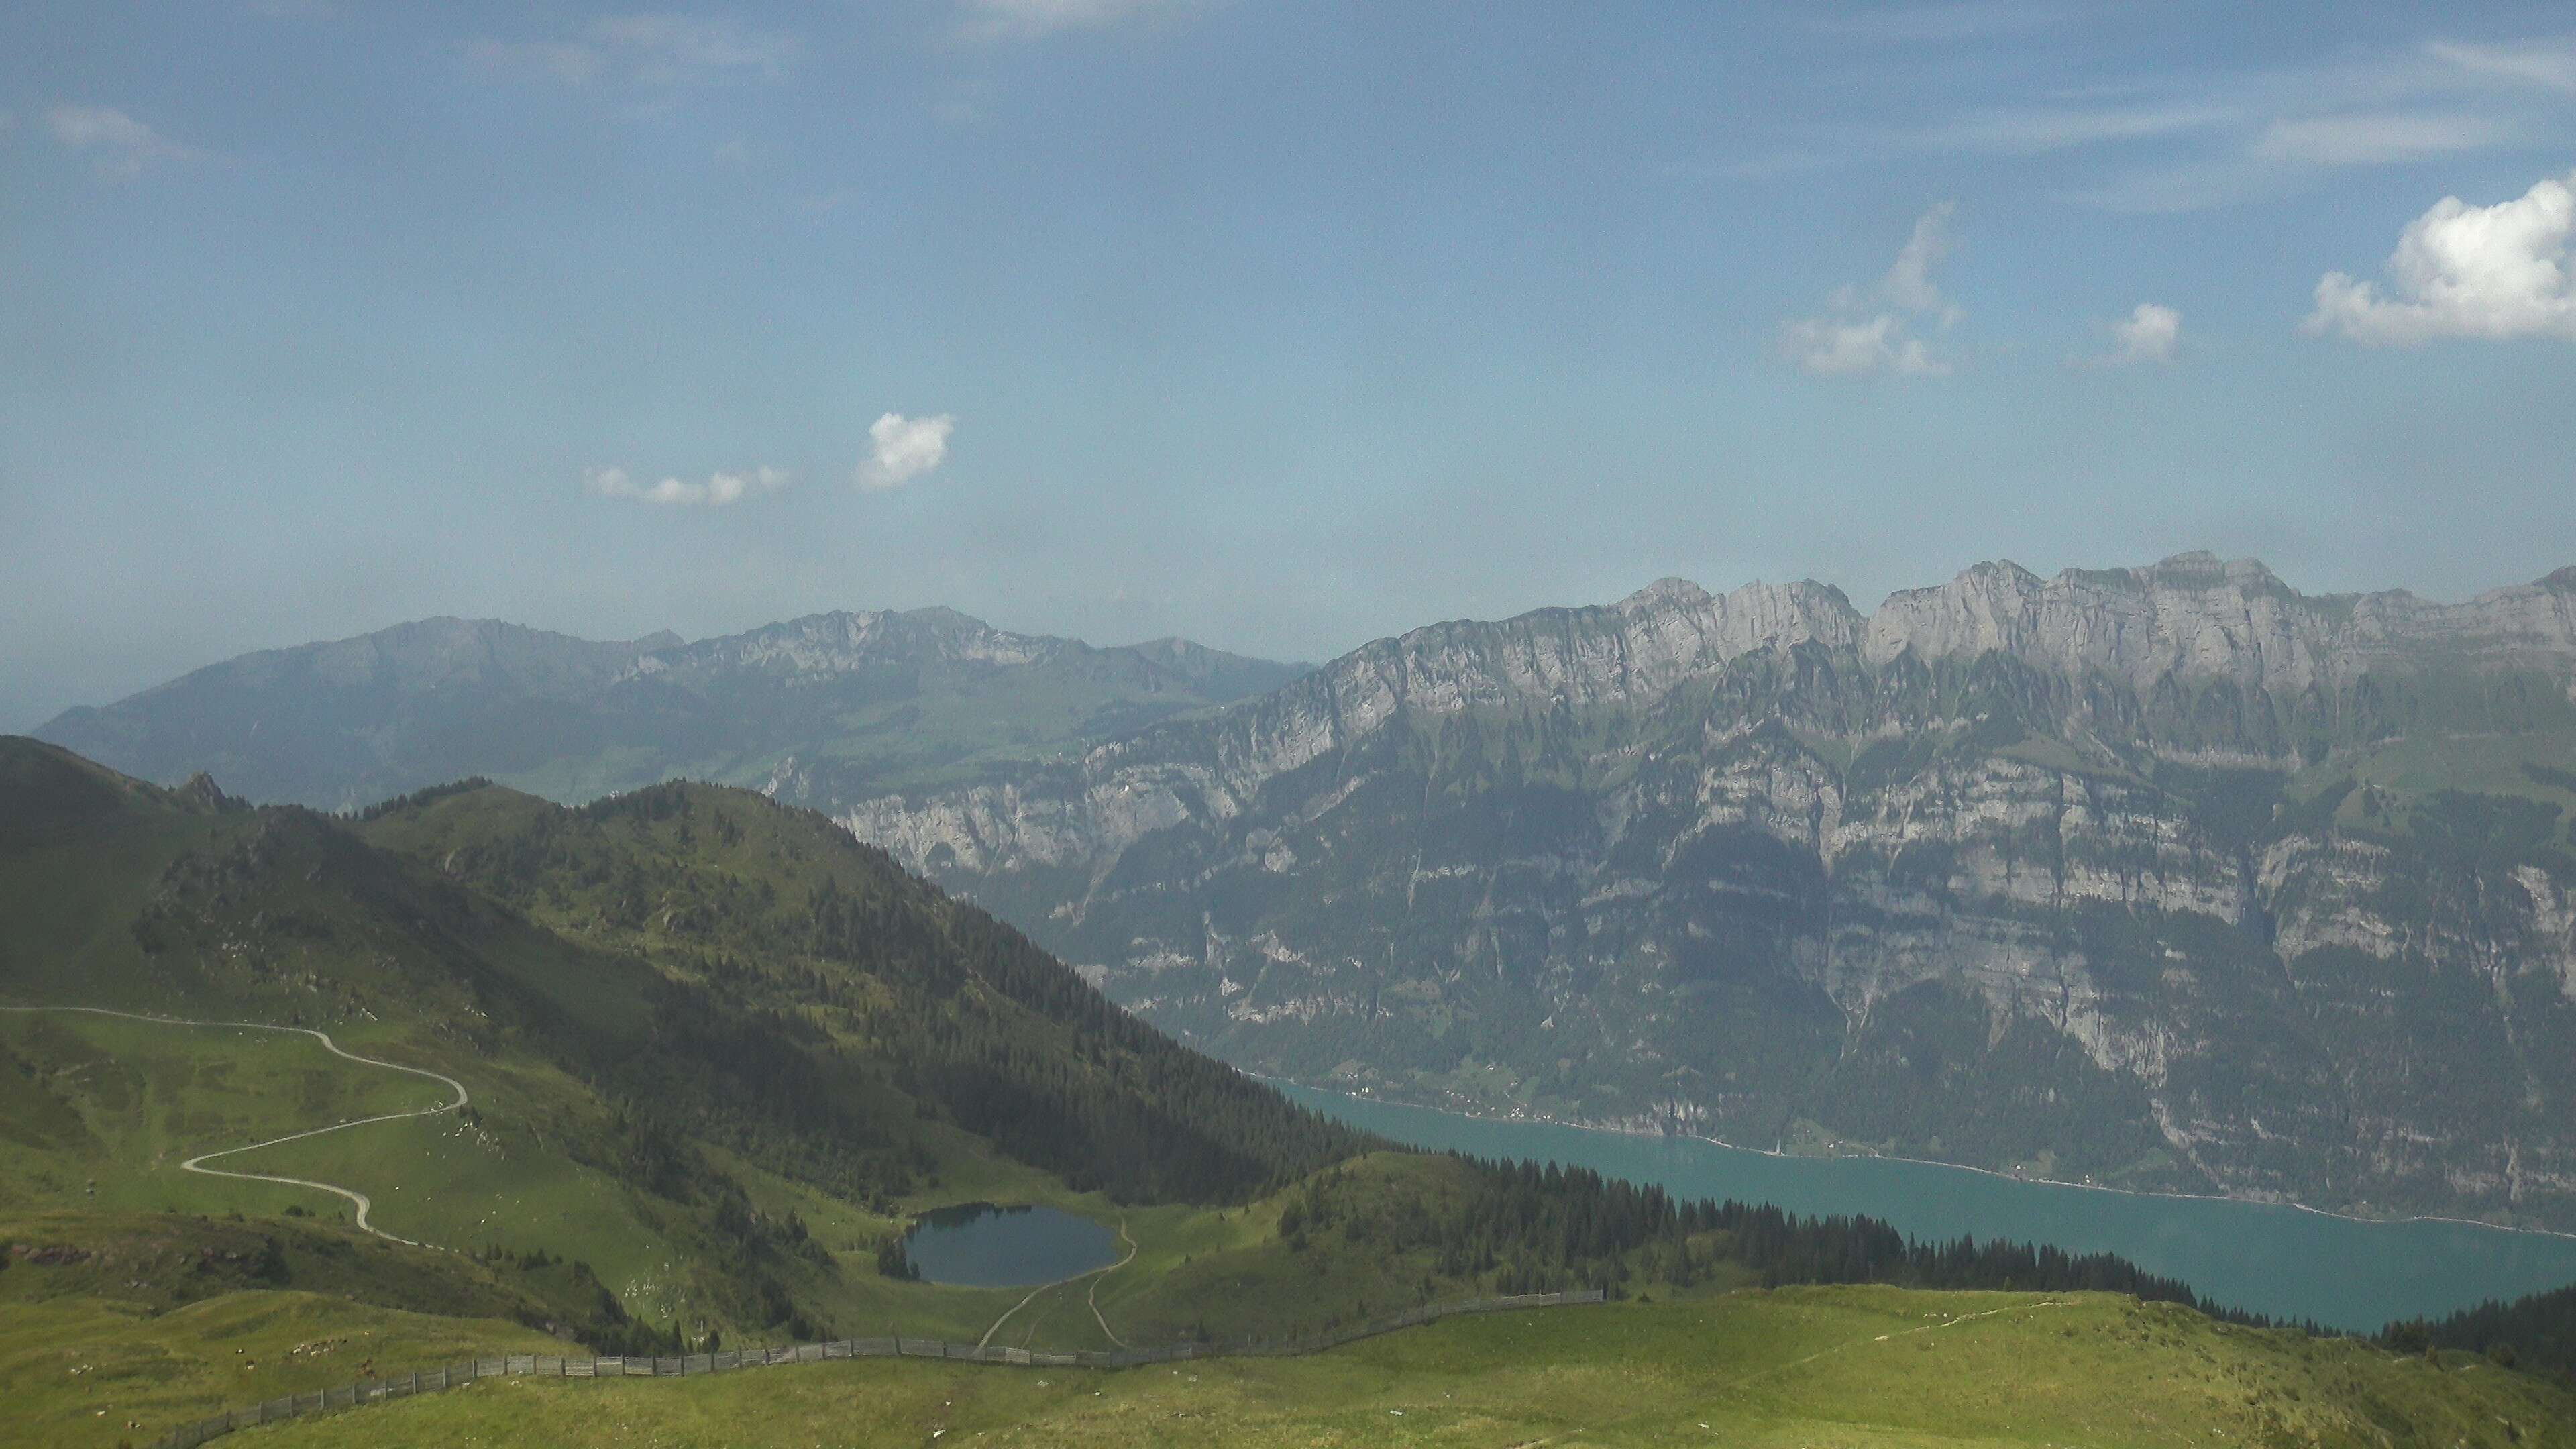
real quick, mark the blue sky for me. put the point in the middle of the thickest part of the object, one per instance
(1278, 323)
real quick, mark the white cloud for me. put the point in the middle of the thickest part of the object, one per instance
(669, 49)
(1853, 344)
(2551, 64)
(1908, 284)
(2150, 333)
(1032, 19)
(719, 489)
(2195, 136)
(2376, 140)
(648, 50)
(2038, 132)
(1829, 348)
(904, 449)
(2489, 272)
(122, 145)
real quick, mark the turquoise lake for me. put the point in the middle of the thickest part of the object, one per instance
(979, 1245)
(2282, 1261)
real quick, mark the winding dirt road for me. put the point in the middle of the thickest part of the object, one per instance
(359, 1199)
(1095, 1275)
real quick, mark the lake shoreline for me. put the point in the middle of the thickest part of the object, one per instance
(1614, 1129)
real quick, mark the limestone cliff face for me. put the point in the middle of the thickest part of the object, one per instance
(2196, 617)
(2171, 630)
(2167, 876)
(1628, 653)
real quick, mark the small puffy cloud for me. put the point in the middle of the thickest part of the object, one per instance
(2487, 272)
(1033, 19)
(1848, 349)
(902, 449)
(121, 145)
(2376, 140)
(1872, 332)
(719, 489)
(645, 50)
(2150, 333)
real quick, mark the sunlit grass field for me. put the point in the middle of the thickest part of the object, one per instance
(82, 1371)
(101, 1111)
(1809, 1367)
(106, 1109)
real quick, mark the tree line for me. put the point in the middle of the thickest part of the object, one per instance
(1525, 1228)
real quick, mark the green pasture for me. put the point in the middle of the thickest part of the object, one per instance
(84, 1371)
(1845, 1367)
(102, 1110)
(98, 1112)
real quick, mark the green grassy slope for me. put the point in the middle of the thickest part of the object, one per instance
(1810, 1367)
(93, 1372)
(115, 1325)
(716, 1050)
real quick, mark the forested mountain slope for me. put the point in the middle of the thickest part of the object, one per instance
(2168, 877)
(696, 1013)
(845, 702)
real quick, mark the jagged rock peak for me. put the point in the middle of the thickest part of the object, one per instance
(1669, 592)
(202, 793)
(2205, 570)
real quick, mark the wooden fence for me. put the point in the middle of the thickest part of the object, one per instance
(429, 1381)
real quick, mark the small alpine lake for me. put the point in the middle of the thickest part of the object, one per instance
(2288, 1262)
(980, 1245)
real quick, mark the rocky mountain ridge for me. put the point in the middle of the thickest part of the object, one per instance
(2165, 876)
(2191, 620)
(878, 695)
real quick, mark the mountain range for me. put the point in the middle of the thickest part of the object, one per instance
(2169, 877)
(862, 700)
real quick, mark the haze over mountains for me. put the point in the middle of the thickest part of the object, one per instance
(881, 696)
(2166, 877)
